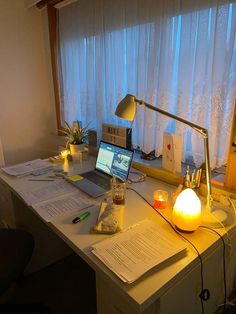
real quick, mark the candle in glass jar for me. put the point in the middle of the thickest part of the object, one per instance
(160, 199)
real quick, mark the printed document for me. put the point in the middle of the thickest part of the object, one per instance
(133, 252)
(46, 192)
(51, 209)
(25, 168)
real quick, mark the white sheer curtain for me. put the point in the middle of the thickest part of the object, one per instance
(177, 55)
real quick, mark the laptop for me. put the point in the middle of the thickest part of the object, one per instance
(112, 161)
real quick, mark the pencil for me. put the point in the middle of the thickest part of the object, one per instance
(41, 180)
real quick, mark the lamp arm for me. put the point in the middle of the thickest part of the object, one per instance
(198, 129)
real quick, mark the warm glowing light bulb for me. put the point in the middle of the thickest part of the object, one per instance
(64, 153)
(187, 211)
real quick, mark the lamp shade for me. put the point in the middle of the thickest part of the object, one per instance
(187, 211)
(126, 109)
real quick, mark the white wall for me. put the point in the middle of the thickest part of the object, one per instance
(27, 113)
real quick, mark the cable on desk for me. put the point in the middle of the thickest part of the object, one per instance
(224, 263)
(205, 293)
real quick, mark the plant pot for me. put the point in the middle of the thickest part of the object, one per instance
(76, 149)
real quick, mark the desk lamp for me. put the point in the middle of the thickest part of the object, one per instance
(126, 109)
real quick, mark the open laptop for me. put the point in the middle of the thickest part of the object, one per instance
(112, 161)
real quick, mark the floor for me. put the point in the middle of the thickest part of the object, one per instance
(66, 287)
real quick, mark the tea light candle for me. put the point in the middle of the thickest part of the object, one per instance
(160, 199)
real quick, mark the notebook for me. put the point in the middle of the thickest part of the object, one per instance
(112, 161)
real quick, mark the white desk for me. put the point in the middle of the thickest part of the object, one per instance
(171, 288)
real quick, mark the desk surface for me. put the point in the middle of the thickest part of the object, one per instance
(156, 282)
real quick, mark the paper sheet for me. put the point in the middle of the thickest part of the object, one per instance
(51, 209)
(28, 167)
(47, 191)
(133, 252)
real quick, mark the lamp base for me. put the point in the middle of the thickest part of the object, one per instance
(183, 231)
(216, 217)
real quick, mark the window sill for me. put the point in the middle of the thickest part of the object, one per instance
(154, 169)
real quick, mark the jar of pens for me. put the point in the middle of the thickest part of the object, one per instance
(192, 179)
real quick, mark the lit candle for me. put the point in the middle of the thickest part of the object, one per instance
(187, 211)
(66, 166)
(160, 199)
(64, 153)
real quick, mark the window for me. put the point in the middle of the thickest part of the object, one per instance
(181, 59)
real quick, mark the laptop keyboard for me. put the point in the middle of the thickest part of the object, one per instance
(98, 179)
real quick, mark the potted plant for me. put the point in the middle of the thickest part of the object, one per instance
(76, 136)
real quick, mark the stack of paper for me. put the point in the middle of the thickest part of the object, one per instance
(47, 192)
(53, 199)
(50, 199)
(133, 252)
(37, 165)
(51, 209)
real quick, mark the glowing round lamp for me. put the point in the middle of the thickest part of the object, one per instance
(187, 211)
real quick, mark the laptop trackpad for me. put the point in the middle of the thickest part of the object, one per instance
(89, 187)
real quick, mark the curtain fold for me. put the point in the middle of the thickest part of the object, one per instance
(177, 55)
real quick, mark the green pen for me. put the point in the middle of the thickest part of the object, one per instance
(80, 217)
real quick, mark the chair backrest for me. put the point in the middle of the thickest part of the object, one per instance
(16, 249)
(2, 161)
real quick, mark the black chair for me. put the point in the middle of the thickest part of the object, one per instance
(16, 248)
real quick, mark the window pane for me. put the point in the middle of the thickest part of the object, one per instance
(175, 58)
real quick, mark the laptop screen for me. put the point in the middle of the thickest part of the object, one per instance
(114, 160)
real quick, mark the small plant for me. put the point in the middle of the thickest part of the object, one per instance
(76, 134)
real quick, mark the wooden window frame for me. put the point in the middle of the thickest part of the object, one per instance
(52, 13)
(53, 37)
(230, 178)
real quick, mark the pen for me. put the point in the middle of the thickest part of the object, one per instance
(80, 217)
(199, 177)
(187, 175)
(41, 179)
(193, 182)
